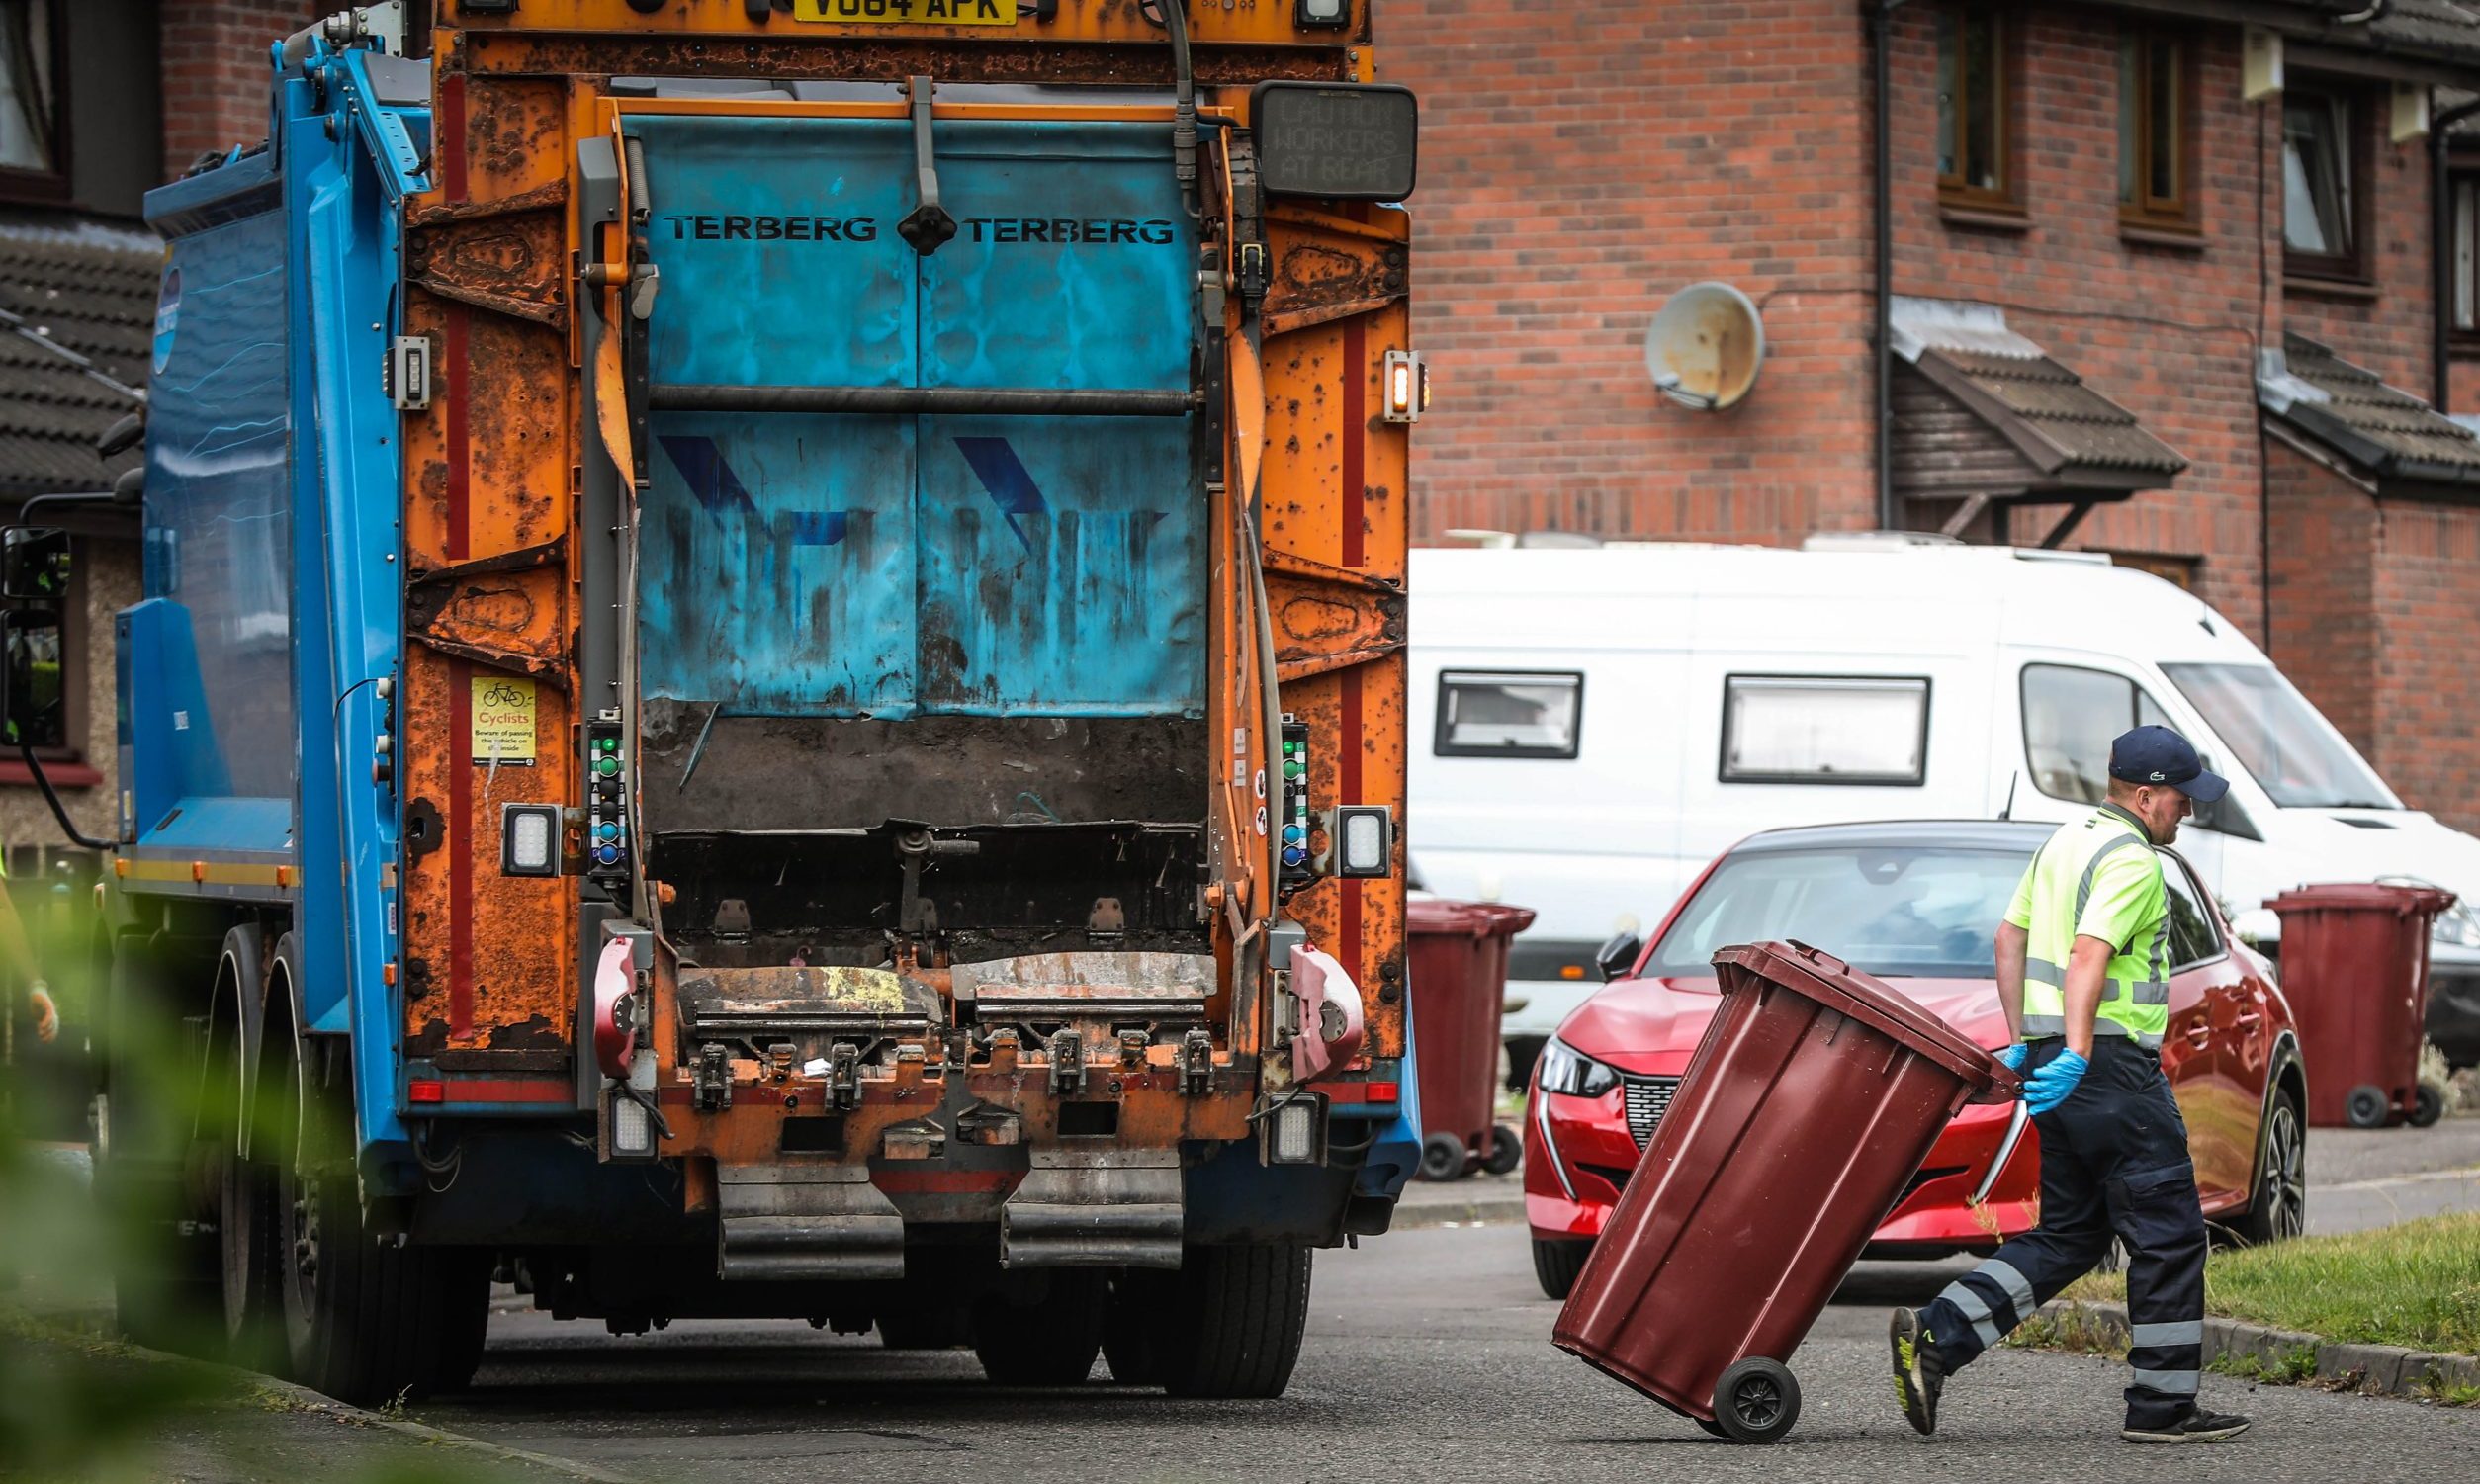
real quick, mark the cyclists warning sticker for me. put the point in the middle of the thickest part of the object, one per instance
(503, 720)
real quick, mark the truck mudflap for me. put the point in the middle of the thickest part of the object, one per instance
(806, 1222)
(1115, 1208)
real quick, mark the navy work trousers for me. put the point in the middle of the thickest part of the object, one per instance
(2113, 1159)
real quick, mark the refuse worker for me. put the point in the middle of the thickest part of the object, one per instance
(2082, 962)
(19, 956)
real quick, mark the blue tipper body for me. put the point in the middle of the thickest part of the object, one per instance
(250, 677)
(894, 566)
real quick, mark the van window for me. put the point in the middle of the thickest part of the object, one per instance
(2072, 715)
(1509, 713)
(1825, 729)
(2192, 937)
(2281, 742)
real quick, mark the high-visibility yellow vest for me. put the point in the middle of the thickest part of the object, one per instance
(2097, 877)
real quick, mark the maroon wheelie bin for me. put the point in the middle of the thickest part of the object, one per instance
(2355, 967)
(1458, 983)
(1813, 1099)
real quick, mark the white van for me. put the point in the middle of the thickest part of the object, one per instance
(1591, 726)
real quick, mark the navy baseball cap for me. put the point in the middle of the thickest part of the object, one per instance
(2157, 755)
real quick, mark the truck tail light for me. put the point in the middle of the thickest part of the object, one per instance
(1296, 1133)
(1364, 839)
(632, 1132)
(1407, 386)
(529, 839)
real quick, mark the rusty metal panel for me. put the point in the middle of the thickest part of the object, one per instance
(489, 572)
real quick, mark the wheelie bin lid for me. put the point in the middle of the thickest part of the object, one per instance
(2366, 895)
(1828, 980)
(1446, 917)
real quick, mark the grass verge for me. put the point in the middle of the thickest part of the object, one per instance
(2416, 1286)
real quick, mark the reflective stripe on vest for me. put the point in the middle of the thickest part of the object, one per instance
(2134, 991)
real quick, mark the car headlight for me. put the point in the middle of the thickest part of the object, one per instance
(1569, 1071)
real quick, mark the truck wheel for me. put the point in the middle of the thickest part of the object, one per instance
(465, 1318)
(1555, 1264)
(364, 1323)
(2368, 1108)
(1247, 1309)
(925, 1329)
(167, 1278)
(245, 1186)
(1049, 1342)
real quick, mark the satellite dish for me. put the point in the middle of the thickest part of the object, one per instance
(1705, 347)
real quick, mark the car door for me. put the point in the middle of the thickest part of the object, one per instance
(2203, 1052)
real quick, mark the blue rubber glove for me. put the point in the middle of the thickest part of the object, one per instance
(2055, 1082)
(2011, 1057)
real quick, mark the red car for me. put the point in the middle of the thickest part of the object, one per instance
(1917, 904)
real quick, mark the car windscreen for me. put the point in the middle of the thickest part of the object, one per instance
(2287, 747)
(1898, 912)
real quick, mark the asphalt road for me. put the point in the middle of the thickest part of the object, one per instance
(1429, 1358)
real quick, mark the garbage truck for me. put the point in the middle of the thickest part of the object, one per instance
(770, 683)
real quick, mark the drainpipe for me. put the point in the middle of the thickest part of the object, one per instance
(1881, 17)
(2442, 248)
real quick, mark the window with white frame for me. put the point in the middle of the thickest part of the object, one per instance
(1825, 729)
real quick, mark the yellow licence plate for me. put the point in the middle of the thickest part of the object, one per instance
(907, 12)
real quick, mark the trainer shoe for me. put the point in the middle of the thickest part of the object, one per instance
(1917, 1378)
(2199, 1425)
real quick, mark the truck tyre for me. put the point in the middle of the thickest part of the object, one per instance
(1049, 1342)
(1247, 1308)
(1132, 1338)
(1555, 1264)
(245, 1183)
(464, 1298)
(366, 1323)
(167, 1280)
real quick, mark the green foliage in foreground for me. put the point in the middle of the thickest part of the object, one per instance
(2416, 1286)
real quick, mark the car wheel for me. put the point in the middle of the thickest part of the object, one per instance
(2277, 1209)
(1555, 1264)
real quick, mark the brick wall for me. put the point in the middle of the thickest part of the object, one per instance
(2325, 636)
(216, 74)
(2426, 611)
(1582, 164)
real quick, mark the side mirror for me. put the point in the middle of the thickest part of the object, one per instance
(30, 678)
(34, 563)
(1616, 957)
(121, 436)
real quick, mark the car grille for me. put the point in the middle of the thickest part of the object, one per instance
(1649, 1098)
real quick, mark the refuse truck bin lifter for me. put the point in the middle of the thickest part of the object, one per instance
(772, 674)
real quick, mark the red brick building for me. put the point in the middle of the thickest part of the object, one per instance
(2210, 225)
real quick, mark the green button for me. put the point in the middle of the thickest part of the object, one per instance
(608, 766)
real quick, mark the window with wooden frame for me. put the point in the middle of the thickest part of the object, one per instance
(1975, 167)
(33, 143)
(2325, 184)
(2154, 188)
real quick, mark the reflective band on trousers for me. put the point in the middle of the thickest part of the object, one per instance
(2167, 1382)
(2037, 1026)
(2162, 1335)
(2136, 992)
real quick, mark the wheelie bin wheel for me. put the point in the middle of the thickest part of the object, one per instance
(1441, 1158)
(2427, 1106)
(1507, 1149)
(1757, 1401)
(2368, 1108)
(1711, 1428)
